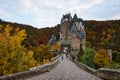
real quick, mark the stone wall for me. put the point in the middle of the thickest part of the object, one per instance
(104, 73)
(55, 58)
(32, 71)
(85, 67)
(109, 74)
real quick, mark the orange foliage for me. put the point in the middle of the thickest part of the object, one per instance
(101, 58)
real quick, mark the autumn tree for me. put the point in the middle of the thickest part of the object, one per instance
(55, 46)
(101, 59)
(13, 57)
(42, 52)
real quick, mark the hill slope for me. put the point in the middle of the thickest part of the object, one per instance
(35, 36)
(100, 34)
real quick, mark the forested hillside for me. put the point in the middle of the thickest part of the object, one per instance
(99, 34)
(25, 46)
(103, 34)
(35, 36)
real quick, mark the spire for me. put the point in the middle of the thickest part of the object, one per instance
(75, 18)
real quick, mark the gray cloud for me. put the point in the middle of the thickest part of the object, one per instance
(42, 13)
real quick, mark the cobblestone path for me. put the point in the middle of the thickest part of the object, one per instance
(65, 70)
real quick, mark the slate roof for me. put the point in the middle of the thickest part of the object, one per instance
(76, 19)
(52, 40)
(67, 16)
(74, 28)
(80, 34)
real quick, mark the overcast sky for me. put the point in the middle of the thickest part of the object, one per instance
(47, 13)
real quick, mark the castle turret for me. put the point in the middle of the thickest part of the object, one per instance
(72, 30)
(65, 26)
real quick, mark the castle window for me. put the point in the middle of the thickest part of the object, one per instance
(66, 19)
(74, 36)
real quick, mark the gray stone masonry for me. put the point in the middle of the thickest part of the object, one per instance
(65, 70)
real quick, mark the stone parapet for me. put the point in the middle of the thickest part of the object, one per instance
(32, 71)
(109, 74)
(85, 67)
(104, 73)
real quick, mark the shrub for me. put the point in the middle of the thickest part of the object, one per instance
(87, 58)
(113, 65)
(116, 56)
(101, 59)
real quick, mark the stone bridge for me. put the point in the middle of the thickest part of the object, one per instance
(65, 70)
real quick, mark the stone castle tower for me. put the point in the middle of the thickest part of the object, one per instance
(72, 32)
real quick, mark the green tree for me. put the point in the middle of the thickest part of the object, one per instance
(116, 56)
(87, 58)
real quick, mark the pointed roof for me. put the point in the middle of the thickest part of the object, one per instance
(52, 40)
(66, 16)
(80, 20)
(76, 19)
(80, 34)
(74, 28)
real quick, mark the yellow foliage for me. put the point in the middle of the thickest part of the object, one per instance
(7, 31)
(101, 58)
(109, 30)
(103, 33)
(45, 61)
(27, 61)
(43, 53)
(13, 58)
(55, 47)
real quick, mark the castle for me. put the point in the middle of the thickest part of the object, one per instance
(72, 32)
